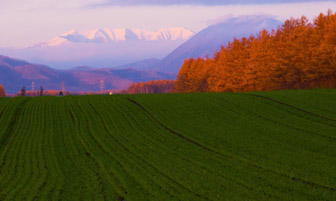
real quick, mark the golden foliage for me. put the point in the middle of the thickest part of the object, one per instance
(2, 91)
(298, 55)
(154, 87)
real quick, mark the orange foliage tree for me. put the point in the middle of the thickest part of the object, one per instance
(298, 55)
(2, 91)
(157, 86)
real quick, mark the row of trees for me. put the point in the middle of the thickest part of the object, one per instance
(154, 87)
(298, 55)
(23, 92)
(42, 92)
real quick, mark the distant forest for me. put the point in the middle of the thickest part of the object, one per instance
(298, 55)
(152, 87)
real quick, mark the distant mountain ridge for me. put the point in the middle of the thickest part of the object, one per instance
(16, 73)
(117, 35)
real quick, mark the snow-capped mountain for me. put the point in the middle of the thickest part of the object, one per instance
(117, 35)
(102, 47)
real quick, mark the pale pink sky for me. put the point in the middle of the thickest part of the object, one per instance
(25, 22)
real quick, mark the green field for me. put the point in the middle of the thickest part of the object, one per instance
(217, 146)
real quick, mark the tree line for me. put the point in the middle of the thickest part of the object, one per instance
(297, 55)
(157, 86)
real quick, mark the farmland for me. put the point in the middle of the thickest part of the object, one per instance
(212, 146)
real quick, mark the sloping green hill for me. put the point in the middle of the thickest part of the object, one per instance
(225, 146)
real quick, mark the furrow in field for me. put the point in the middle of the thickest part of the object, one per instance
(313, 184)
(132, 147)
(230, 157)
(43, 151)
(322, 118)
(245, 161)
(100, 171)
(17, 155)
(22, 169)
(7, 116)
(231, 179)
(170, 130)
(93, 140)
(67, 149)
(208, 149)
(89, 162)
(113, 133)
(277, 122)
(12, 124)
(56, 186)
(46, 160)
(28, 187)
(11, 156)
(282, 137)
(251, 116)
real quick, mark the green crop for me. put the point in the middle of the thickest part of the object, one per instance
(211, 146)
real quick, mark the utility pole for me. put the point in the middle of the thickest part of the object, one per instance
(102, 85)
(63, 87)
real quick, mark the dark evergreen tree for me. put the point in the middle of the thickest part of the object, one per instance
(41, 90)
(23, 91)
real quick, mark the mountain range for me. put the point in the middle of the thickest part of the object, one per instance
(102, 47)
(117, 35)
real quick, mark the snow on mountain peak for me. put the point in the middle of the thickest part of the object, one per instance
(117, 35)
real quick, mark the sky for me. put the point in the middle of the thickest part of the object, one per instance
(26, 22)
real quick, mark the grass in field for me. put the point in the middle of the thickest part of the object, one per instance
(218, 146)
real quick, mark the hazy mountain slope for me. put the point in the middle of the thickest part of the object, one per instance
(209, 40)
(17, 73)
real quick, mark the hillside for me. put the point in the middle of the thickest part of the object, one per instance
(209, 40)
(217, 146)
(16, 73)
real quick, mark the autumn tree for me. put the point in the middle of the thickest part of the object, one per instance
(157, 86)
(2, 91)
